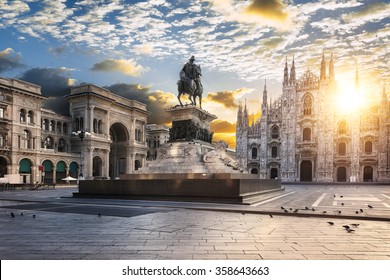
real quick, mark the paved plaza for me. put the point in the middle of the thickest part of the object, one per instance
(49, 224)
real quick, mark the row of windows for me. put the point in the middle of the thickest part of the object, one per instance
(342, 148)
(97, 125)
(274, 152)
(26, 142)
(54, 126)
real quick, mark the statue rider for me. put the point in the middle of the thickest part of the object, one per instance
(191, 71)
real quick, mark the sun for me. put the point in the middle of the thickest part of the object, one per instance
(349, 99)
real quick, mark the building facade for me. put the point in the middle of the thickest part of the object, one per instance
(40, 145)
(304, 137)
(156, 136)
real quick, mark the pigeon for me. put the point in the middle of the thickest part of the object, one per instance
(271, 215)
(306, 208)
(342, 204)
(323, 212)
(349, 230)
(281, 207)
(12, 215)
(34, 216)
(346, 226)
(334, 195)
(285, 211)
(243, 213)
(357, 212)
(99, 215)
(339, 212)
(21, 214)
(355, 225)
(341, 196)
(369, 206)
(313, 209)
(331, 223)
(296, 210)
(290, 209)
(361, 210)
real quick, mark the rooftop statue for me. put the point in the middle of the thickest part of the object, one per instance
(190, 82)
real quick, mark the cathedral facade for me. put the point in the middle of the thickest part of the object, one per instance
(304, 137)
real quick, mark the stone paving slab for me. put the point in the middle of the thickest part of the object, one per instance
(59, 235)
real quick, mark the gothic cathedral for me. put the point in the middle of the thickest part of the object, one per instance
(303, 137)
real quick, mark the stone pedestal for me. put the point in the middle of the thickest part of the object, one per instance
(190, 123)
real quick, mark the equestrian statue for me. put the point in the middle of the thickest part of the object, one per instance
(190, 83)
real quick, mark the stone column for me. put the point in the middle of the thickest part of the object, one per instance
(106, 170)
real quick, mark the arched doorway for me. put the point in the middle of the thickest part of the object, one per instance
(60, 171)
(274, 173)
(97, 166)
(25, 170)
(306, 171)
(73, 169)
(254, 171)
(48, 172)
(3, 167)
(341, 174)
(119, 137)
(368, 174)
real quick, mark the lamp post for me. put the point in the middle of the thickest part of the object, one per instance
(81, 134)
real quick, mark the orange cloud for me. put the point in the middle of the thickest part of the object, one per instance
(128, 67)
(226, 98)
(220, 126)
(270, 9)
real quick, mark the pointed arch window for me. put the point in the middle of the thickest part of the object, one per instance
(368, 147)
(342, 128)
(274, 152)
(275, 132)
(342, 149)
(307, 105)
(254, 153)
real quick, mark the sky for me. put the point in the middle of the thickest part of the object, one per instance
(137, 48)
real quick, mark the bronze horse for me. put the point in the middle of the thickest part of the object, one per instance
(192, 87)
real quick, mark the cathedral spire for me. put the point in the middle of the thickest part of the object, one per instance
(292, 73)
(285, 80)
(331, 67)
(323, 67)
(245, 119)
(264, 110)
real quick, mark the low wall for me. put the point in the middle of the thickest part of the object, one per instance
(214, 187)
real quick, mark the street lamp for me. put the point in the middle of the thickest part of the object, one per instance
(81, 134)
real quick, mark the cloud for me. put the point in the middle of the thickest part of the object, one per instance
(226, 98)
(270, 9)
(57, 50)
(55, 83)
(128, 67)
(143, 49)
(9, 60)
(222, 126)
(155, 101)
